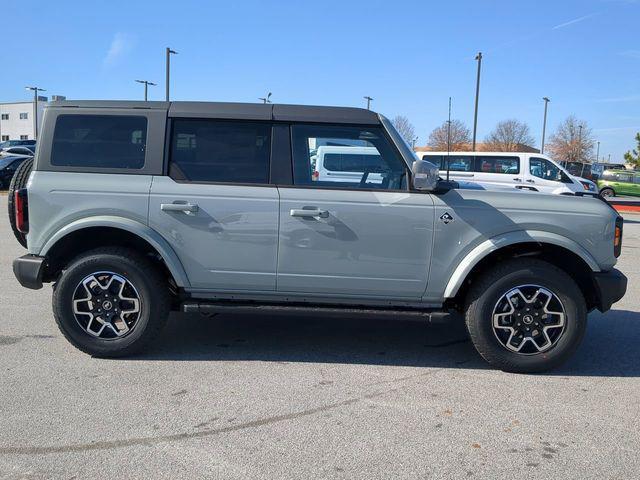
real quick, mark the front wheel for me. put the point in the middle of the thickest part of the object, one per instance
(111, 302)
(526, 316)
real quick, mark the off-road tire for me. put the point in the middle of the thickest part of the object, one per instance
(19, 180)
(489, 288)
(150, 283)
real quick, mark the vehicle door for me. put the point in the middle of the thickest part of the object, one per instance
(366, 237)
(545, 176)
(216, 206)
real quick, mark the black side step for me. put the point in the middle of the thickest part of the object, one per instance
(207, 308)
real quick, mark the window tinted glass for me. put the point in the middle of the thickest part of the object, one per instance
(506, 165)
(214, 151)
(542, 168)
(457, 163)
(346, 157)
(344, 162)
(624, 177)
(99, 141)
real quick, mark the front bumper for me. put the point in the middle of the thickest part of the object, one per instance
(610, 287)
(28, 269)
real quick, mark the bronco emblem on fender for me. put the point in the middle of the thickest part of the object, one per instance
(446, 218)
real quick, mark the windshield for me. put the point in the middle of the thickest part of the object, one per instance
(407, 153)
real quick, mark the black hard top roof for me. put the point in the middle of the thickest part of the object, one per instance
(240, 111)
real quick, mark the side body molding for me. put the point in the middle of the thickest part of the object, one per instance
(511, 238)
(143, 231)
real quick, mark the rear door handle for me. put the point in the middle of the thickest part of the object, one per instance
(309, 213)
(187, 208)
(518, 179)
(531, 181)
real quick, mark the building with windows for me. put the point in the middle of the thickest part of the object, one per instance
(17, 119)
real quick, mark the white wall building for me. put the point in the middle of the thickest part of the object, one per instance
(17, 119)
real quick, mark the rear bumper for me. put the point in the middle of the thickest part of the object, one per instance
(610, 287)
(28, 269)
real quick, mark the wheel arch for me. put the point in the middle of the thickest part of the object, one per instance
(556, 249)
(88, 233)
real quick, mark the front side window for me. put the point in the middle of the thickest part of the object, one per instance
(498, 164)
(99, 141)
(24, 116)
(346, 157)
(218, 151)
(542, 168)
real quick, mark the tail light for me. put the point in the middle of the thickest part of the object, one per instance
(617, 238)
(21, 203)
(315, 175)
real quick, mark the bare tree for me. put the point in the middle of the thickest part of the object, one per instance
(404, 128)
(570, 143)
(508, 136)
(460, 136)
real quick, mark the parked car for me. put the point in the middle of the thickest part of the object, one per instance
(347, 164)
(619, 182)
(16, 143)
(27, 151)
(524, 171)
(229, 218)
(8, 166)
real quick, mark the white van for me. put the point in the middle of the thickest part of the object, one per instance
(525, 171)
(347, 164)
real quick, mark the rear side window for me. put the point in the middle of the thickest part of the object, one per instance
(218, 151)
(99, 141)
(498, 164)
(457, 163)
(340, 162)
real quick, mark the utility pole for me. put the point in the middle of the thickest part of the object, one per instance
(146, 84)
(35, 109)
(168, 65)
(544, 122)
(368, 99)
(475, 114)
(266, 99)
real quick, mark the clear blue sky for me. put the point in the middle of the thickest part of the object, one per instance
(409, 55)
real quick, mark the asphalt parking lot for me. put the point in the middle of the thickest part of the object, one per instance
(240, 397)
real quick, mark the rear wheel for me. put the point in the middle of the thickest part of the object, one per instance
(607, 192)
(111, 302)
(526, 316)
(19, 181)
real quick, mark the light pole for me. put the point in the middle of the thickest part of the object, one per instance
(146, 84)
(475, 114)
(168, 64)
(266, 99)
(413, 142)
(544, 122)
(368, 99)
(598, 153)
(579, 143)
(35, 109)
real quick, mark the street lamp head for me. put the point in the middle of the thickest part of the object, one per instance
(171, 51)
(546, 99)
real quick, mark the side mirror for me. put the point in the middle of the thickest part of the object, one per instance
(425, 175)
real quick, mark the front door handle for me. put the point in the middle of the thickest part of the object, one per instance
(187, 208)
(309, 213)
(531, 181)
(518, 179)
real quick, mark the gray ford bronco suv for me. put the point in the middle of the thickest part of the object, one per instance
(134, 209)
